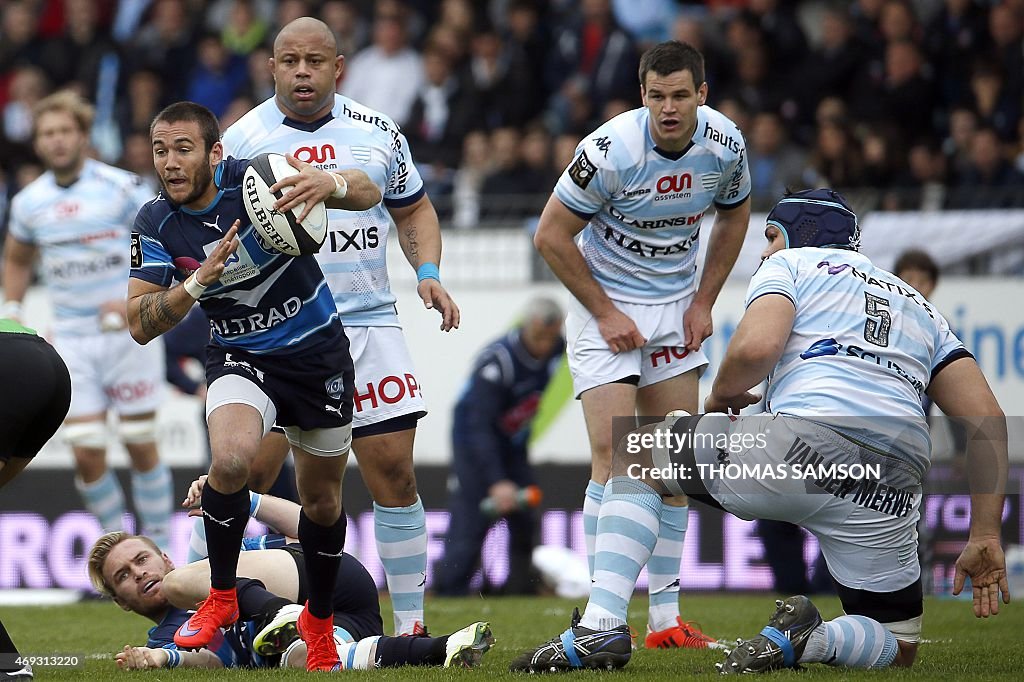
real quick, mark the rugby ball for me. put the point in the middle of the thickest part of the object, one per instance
(280, 231)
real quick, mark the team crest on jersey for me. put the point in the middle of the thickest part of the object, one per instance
(582, 170)
(361, 154)
(709, 181)
(136, 250)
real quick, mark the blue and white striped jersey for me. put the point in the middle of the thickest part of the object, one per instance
(82, 233)
(265, 302)
(354, 257)
(645, 205)
(864, 344)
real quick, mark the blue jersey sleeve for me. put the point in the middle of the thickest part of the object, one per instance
(150, 260)
(230, 172)
(776, 275)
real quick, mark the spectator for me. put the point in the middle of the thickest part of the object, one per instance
(445, 110)
(905, 97)
(217, 77)
(75, 54)
(963, 122)
(165, 44)
(594, 55)
(18, 25)
(490, 431)
(143, 102)
(996, 101)
(775, 163)
(526, 44)
(920, 187)
(349, 28)
(28, 86)
(831, 69)
(954, 35)
(523, 173)
(990, 181)
(469, 178)
(245, 29)
(647, 22)
(784, 39)
(137, 157)
(1007, 48)
(884, 155)
(388, 75)
(260, 83)
(836, 160)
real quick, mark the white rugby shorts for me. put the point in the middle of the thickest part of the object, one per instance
(386, 382)
(112, 371)
(868, 534)
(593, 364)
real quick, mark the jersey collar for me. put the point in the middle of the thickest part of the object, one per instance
(672, 156)
(310, 127)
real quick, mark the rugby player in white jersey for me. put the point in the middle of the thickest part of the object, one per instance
(849, 351)
(77, 217)
(621, 231)
(308, 120)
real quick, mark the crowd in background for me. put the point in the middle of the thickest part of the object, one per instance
(921, 101)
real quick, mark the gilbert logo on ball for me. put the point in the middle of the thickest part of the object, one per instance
(280, 231)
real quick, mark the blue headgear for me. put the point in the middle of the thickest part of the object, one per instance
(816, 217)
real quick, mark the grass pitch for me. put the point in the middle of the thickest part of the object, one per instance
(958, 646)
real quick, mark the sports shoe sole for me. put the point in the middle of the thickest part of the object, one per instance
(470, 655)
(277, 635)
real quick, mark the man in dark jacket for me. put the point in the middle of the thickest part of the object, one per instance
(490, 431)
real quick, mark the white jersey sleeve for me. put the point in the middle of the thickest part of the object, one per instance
(589, 182)
(773, 276)
(18, 227)
(405, 186)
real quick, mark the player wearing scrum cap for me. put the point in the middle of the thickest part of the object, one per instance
(849, 349)
(278, 351)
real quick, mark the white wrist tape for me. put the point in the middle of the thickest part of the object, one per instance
(340, 186)
(193, 287)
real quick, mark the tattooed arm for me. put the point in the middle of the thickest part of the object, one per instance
(154, 309)
(419, 234)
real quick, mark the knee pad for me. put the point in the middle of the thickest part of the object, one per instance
(137, 431)
(86, 435)
(332, 442)
(906, 630)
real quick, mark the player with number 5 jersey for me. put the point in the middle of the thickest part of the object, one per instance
(307, 119)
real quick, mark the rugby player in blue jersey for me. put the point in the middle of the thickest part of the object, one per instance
(141, 579)
(278, 352)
